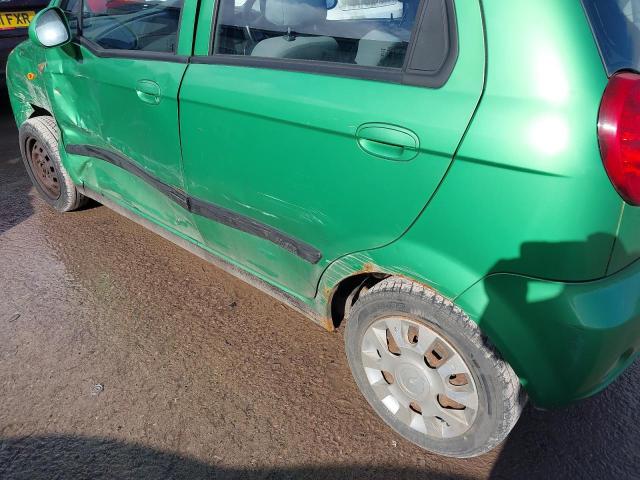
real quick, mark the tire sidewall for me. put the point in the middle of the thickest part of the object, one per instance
(37, 128)
(489, 418)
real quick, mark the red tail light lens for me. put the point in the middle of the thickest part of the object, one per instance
(619, 134)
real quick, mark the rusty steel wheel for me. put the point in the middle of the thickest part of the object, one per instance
(44, 170)
(40, 148)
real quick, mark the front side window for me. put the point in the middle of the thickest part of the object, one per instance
(141, 25)
(72, 8)
(373, 33)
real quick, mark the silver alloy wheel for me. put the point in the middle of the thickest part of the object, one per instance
(420, 378)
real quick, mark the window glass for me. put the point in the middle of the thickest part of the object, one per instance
(71, 8)
(144, 25)
(358, 32)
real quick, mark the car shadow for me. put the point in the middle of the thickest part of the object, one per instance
(71, 457)
(15, 203)
(594, 438)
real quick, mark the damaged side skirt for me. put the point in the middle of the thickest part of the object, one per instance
(218, 262)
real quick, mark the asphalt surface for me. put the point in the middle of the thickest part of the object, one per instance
(202, 376)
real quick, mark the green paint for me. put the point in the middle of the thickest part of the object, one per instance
(521, 230)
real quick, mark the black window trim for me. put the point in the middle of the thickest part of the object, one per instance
(100, 52)
(405, 75)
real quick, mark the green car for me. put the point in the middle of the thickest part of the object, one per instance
(453, 185)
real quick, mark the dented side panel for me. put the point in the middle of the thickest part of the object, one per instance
(95, 103)
(281, 147)
(25, 81)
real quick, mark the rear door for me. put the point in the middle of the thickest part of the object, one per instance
(114, 92)
(309, 132)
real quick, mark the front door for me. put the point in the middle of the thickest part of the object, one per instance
(114, 92)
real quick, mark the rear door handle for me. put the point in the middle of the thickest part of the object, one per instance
(388, 141)
(148, 91)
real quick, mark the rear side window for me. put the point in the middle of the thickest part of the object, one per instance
(371, 33)
(140, 25)
(616, 27)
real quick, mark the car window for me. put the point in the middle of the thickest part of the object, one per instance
(142, 25)
(72, 10)
(358, 32)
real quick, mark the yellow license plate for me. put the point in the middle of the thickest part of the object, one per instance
(9, 20)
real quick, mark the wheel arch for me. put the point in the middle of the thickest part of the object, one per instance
(346, 292)
(39, 111)
(346, 280)
(414, 261)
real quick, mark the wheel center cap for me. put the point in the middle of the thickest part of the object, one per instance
(412, 380)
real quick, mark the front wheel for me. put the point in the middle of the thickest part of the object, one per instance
(425, 368)
(39, 144)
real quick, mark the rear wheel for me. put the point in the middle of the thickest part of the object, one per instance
(39, 143)
(425, 368)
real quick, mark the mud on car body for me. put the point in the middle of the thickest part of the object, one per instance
(472, 225)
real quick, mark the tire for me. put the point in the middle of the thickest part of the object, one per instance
(423, 320)
(39, 146)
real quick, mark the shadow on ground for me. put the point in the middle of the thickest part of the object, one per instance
(71, 457)
(596, 437)
(15, 203)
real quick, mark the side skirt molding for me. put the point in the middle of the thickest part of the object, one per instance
(218, 262)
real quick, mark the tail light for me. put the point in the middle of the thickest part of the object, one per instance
(619, 134)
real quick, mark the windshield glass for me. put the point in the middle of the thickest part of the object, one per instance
(616, 27)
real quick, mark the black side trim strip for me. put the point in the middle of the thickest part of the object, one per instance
(249, 225)
(201, 207)
(118, 160)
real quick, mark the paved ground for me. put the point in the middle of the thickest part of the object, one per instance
(205, 377)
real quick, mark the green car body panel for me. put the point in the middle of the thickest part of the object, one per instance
(504, 207)
(267, 119)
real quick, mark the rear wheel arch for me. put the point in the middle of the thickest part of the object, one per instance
(502, 393)
(347, 291)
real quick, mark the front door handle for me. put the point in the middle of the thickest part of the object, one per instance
(148, 91)
(388, 141)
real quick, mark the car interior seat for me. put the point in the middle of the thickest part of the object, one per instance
(298, 19)
(377, 48)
